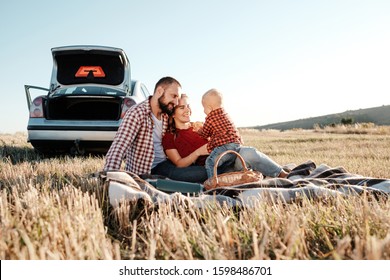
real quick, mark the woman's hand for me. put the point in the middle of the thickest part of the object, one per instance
(202, 151)
(174, 156)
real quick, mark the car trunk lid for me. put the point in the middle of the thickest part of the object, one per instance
(74, 65)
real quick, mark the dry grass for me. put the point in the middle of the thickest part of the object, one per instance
(357, 128)
(52, 209)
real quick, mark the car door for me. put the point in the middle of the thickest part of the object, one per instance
(31, 95)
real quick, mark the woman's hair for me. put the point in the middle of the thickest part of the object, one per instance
(171, 121)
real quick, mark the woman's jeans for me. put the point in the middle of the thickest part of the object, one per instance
(192, 173)
(226, 160)
(258, 161)
(254, 160)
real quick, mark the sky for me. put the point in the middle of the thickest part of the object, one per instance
(274, 61)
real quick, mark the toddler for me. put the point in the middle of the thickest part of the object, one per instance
(220, 130)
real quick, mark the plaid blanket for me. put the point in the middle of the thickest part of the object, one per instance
(308, 181)
(305, 181)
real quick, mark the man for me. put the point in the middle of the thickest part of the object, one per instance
(140, 134)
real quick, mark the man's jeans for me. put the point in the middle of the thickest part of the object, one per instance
(226, 160)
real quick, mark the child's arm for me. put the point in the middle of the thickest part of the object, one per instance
(205, 131)
(197, 126)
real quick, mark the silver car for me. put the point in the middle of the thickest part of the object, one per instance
(90, 92)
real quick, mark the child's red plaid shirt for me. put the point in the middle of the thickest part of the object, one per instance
(220, 129)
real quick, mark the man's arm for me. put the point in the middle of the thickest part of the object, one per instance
(124, 137)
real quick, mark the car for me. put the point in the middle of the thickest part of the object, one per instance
(89, 93)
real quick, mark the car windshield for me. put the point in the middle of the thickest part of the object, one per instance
(81, 90)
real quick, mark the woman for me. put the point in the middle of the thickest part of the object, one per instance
(185, 148)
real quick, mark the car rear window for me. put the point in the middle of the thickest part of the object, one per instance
(89, 67)
(88, 90)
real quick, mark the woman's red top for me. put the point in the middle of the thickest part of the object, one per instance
(185, 141)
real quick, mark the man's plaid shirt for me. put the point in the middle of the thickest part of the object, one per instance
(134, 140)
(220, 129)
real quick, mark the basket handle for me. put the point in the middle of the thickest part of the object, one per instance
(221, 155)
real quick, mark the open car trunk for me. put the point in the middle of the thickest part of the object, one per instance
(76, 107)
(81, 109)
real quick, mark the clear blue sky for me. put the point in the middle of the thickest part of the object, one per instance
(273, 60)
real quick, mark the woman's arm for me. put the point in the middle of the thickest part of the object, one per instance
(174, 156)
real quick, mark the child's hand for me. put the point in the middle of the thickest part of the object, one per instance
(197, 126)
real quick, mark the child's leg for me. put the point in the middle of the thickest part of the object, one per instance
(229, 158)
(226, 160)
(210, 161)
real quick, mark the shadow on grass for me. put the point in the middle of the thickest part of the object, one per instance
(16, 155)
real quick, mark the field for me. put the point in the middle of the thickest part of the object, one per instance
(51, 208)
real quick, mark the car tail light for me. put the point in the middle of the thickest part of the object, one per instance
(127, 103)
(36, 110)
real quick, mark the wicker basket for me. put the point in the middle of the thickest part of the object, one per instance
(232, 178)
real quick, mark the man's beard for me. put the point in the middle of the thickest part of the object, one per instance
(165, 107)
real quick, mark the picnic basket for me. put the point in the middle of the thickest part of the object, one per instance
(232, 178)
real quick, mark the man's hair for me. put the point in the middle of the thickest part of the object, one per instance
(166, 81)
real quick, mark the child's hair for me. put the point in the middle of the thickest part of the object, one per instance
(213, 97)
